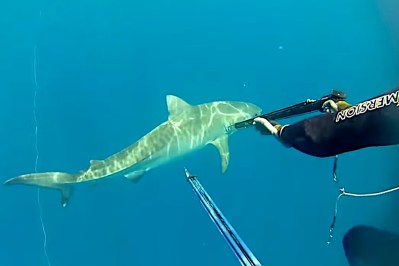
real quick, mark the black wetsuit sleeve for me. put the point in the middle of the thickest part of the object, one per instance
(374, 122)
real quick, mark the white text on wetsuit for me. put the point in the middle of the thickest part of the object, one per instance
(369, 105)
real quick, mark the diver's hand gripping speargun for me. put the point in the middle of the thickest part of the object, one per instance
(307, 106)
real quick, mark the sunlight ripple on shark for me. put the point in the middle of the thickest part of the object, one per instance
(188, 128)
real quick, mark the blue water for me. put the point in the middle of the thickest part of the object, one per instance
(103, 70)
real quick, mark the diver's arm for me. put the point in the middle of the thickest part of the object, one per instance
(350, 129)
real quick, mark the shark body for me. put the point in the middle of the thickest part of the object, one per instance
(188, 128)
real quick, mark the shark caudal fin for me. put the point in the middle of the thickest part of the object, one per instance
(55, 180)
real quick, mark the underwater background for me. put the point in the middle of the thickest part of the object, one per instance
(103, 70)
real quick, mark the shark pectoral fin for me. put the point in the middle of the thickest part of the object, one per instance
(66, 193)
(223, 147)
(135, 176)
(175, 105)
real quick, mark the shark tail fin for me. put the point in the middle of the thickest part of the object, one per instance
(55, 180)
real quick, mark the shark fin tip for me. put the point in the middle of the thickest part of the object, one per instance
(66, 193)
(176, 105)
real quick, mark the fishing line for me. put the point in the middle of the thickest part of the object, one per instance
(36, 130)
(350, 194)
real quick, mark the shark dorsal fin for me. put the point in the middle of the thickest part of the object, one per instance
(96, 163)
(176, 105)
(223, 147)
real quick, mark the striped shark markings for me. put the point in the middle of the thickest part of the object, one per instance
(188, 129)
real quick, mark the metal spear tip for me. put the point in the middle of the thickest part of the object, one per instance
(188, 175)
(187, 172)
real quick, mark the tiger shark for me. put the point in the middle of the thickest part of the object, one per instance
(187, 129)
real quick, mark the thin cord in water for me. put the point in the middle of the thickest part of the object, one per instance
(373, 194)
(37, 151)
(349, 194)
